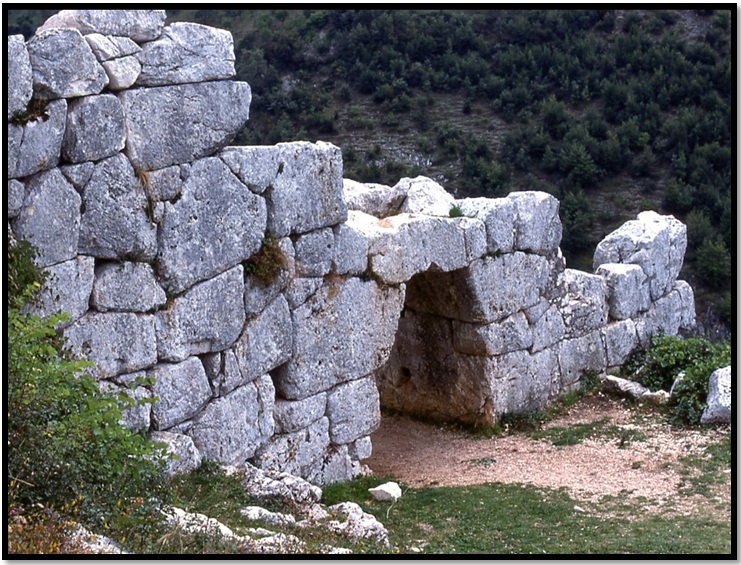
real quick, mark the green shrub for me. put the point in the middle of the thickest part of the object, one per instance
(690, 394)
(456, 212)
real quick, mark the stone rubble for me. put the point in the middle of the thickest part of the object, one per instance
(158, 234)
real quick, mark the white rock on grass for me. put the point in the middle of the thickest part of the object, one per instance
(720, 399)
(387, 492)
(358, 525)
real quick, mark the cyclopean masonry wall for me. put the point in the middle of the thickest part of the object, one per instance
(151, 228)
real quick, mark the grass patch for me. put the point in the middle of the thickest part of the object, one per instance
(701, 472)
(571, 435)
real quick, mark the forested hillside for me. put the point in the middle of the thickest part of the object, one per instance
(613, 112)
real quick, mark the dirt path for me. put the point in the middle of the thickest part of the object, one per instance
(623, 458)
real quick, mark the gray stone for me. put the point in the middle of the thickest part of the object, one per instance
(126, 287)
(288, 488)
(50, 218)
(36, 145)
(297, 453)
(258, 294)
(653, 242)
(341, 333)
(537, 224)
(139, 25)
(187, 457)
(122, 73)
(584, 305)
(266, 341)
(306, 191)
(293, 415)
(669, 314)
(628, 289)
(424, 196)
(520, 382)
(510, 334)
(361, 448)
(115, 223)
(624, 387)
(182, 391)
(335, 467)
(19, 76)
(216, 224)
(95, 129)
(79, 174)
(719, 399)
(498, 215)
(257, 167)
(165, 184)
(67, 289)
(187, 52)
(314, 253)
(358, 525)
(548, 330)
(106, 47)
(115, 342)
(137, 418)
(578, 356)
(374, 199)
(350, 251)
(231, 428)
(208, 116)
(208, 317)
(16, 194)
(353, 410)
(259, 514)
(63, 65)
(300, 289)
(620, 340)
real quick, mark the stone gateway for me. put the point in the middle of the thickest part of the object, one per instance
(275, 305)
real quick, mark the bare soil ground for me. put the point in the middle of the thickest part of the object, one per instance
(631, 457)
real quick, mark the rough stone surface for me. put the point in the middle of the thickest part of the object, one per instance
(36, 145)
(126, 287)
(522, 382)
(719, 399)
(498, 215)
(19, 76)
(548, 330)
(16, 193)
(206, 318)
(537, 224)
(628, 289)
(584, 305)
(216, 224)
(79, 174)
(358, 525)
(231, 428)
(293, 415)
(50, 218)
(139, 25)
(107, 47)
(186, 53)
(208, 116)
(63, 65)
(298, 453)
(115, 224)
(282, 485)
(315, 253)
(188, 458)
(374, 199)
(353, 410)
(343, 332)
(350, 250)
(510, 334)
(182, 389)
(115, 342)
(387, 492)
(137, 418)
(620, 340)
(122, 73)
(258, 294)
(579, 355)
(424, 196)
(95, 129)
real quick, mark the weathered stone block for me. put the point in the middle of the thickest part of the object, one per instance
(578, 356)
(122, 73)
(19, 85)
(216, 224)
(137, 418)
(208, 116)
(231, 428)
(182, 390)
(115, 342)
(115, 224)
(669, 314)
(187, 457)
(584, 304)
(187, 53)
(537, 224)
(36, 145)
(548, 330)
(628, 289)
(350, 250)
(374, 199)
(78, 174)
(510, 334)
(521, 382)
(139, 25)
(720, 398)
(126, 287)
(107, 47)
(208, 317)
(315, 253)
(50, 218)
(620, 340)
(298, 453)
(424, 196)
(293, 415)
(354, 410)
(95, 129)
(16, 194)
(258, 293)
(63, 64)
(498, 215)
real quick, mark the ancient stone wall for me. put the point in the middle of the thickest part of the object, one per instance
(271, 321)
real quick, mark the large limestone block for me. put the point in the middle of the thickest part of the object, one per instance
(37, 144)
(653, 242)
(424, 196)
(315, 253)
(350, 250)
(719, 399)
(521, 382)
(584, 304)
(16, 193)
(126, 287)
(50, 218)
(510, 334)
(548, 330)
(216, 224)
(578, 356)
(206, 318)
(231, 428)
(139, 25)
(374, 199)
(78, 174)
(106, 47)
(299, 453)
(116, 224)
(266, 341)
(343, 332)
(187, 457)
(627, 289)
(187, 52)
(67, 289)
(293, 415)
(169, 125)
(95, 129)
(488, 290)
(537, 224)
(182, 391)
(620, 341)
(669, 314)
(354, 410)
(498, 215)
(116, 342)
(63, 65)
(19, 76)
(122, 73)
